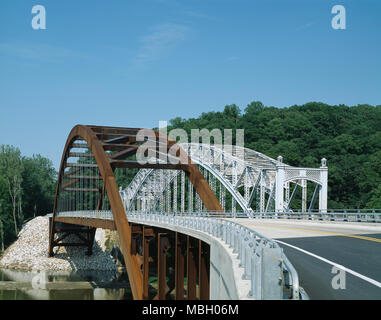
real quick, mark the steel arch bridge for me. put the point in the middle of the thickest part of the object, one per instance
(253, 181)
(86, 181)
(176, 178)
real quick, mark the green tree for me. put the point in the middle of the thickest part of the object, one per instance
(27, 188)
(11, 169)
(38, 185)
(375, 198)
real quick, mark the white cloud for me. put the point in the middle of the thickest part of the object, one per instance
(162, 38)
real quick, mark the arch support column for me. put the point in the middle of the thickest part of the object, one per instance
(323, 191)
(279, 188)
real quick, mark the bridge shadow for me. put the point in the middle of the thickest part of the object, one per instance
(99, 267)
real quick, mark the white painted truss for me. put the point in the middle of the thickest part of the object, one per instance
(254, 181)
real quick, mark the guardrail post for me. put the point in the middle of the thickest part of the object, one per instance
(219, 229)
(256, 274)
(272, 288)
(247, 265)
(235, 243)
(228, 233)
(240, 237)
(215, 229)
(242, 249)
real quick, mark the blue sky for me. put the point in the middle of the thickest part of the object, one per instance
(135, 62)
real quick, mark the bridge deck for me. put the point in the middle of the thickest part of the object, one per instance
(88, 222)
(315, 247)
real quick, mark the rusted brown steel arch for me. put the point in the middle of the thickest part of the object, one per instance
(124, 144)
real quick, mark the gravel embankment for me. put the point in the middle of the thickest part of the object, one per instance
(30, 252)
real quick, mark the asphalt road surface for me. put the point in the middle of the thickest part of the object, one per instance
(315, 248)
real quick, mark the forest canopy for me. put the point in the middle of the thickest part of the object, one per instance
(348, 137)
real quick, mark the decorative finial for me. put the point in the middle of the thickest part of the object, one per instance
(324, 162)
(280, 158)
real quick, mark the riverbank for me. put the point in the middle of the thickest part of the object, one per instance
(63, 285)
(30, 252)
(74, 285)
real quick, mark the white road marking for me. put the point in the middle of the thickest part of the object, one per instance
(372, 281)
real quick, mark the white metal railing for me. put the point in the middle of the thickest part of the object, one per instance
(249, 246)
(349, 215)
(354, 215)
(345, 215)
(90, 214)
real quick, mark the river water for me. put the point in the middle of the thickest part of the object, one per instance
(79, 285)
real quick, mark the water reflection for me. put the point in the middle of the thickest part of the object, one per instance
(100, 285)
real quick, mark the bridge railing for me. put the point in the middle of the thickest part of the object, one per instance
(253, 251)
(88, 214)
(350, 215)
(346, 215)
